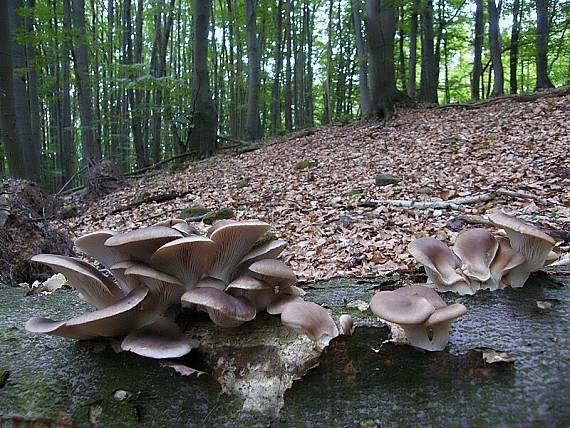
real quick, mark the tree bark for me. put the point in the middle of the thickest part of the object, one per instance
(380, 22)
(288, 95)
(69, 153)
(91, 146)
(428, 83)
(413, 49)
(204, 118)
(10, 137)
(495, 41)
(542, 32)
(254, 75)
(513, 55)
(477, 50)
(362, 52)
(327, 118)
(275, 92)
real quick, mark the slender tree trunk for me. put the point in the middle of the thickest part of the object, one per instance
(204, 126)
(253, 76)
(477, 50)
(401, 59)
(92, 147)
(328, 96)
(362, 52)
(513, 56)
(380, 28)
(428, 85)
(413, 49)
(542, 33)
(275, 92)
(69, 152)
(288, 95)
(10, 137)
(495, 41)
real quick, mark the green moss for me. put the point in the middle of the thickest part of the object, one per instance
(268, 237)
(70, 210)
(194, 212)
(221, 214)
(352, 193)
(178, 167)
(305, 164)
(244, 182)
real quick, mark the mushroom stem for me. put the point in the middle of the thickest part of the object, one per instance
(432, 338)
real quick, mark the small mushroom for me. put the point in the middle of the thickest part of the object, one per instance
(259, 293)
(269, 250)
(95, 287)
(93, 244)
(224, 310)
(186, 258)
(530, 241)
(161, 339)
(273, 272)
(116, 319)
(234, 239)
(441, 265)
(165, 290)
(312, 320)
(476, 248)
(346, 325)
(127, 283)
(140, 244)
(508, 267)
(419, 312)
(208, 281)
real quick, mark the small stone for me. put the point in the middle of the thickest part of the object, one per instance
(387, 179)
(122, 395)
(361, 305)
(54, 283)
(546, 304)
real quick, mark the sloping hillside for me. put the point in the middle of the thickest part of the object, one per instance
(441, 154)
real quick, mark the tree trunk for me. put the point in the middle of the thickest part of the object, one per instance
(275, 92)
(413, 49)
(288, 95)
(253, 75)
(380, 28)
(428, 84)
(513, 56)
(495, 41)
(542, 30)
(401, 59)
(91, 146)
(362, 52)
(204, 123)
(328, 82)
(69, 151)
(477, 50)
(10, 137)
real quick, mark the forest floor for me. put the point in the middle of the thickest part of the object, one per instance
(337, 221)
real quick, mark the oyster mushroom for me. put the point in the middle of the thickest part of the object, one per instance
(116, 319)
(273, 272)
(95, 287)
(259, 293)
(233, 239)
(161, 339)
(224, 309)
(93, 244)
(140, 244)
(346, 325)
(530, 241)
(507, 268)
(186, 258)
(269, 250)
(441, 265)
(420, 313)
(476, 249)
(312, 320)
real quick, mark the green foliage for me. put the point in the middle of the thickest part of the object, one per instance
(195, 212)
(221, 214)
(305, 164)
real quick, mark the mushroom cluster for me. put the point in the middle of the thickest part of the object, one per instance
(421, 312)
(231, 273)
(480, 260)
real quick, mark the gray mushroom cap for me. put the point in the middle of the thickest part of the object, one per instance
(311, 319)
(280, 301)
(114, 320)
(93, 244)
(165, 289)
(273, 272)
(506, 259)
(224, 310)
(476, 248)
(95, 287)
(446, 314)
(400, 308)
(346, 324)
(186, 258)
(140, 244)
(161, 339)
(234, 239)
(530, 241)
(439, 261)
(422, 291)
(269, 250)
(211, 282)
(127, 283)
